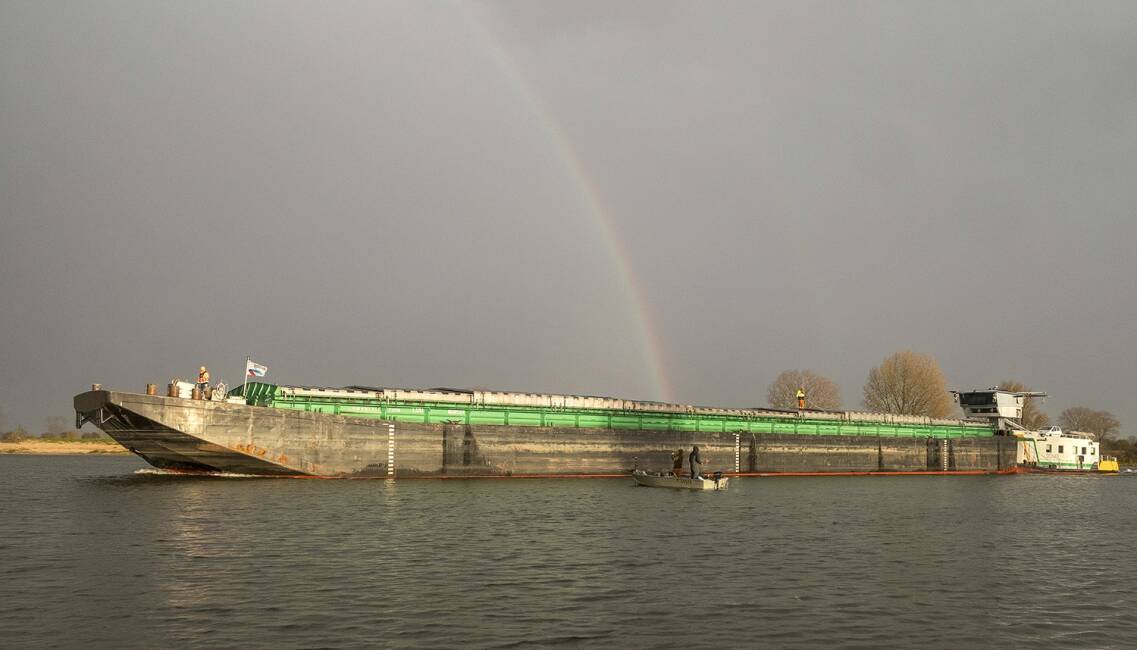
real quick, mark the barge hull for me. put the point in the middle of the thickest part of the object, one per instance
(183, 434)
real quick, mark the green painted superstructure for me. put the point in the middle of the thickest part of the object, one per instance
(368, 404)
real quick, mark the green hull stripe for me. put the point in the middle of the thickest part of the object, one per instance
(1047, 463)
(444, 413)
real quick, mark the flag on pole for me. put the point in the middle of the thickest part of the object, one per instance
(254, 369)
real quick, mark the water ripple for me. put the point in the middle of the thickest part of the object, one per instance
(144, 559)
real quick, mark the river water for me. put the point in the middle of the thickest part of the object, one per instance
(101, 551)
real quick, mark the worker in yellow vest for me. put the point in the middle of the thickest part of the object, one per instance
(801, 399)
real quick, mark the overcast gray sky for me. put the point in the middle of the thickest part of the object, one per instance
(522, 195)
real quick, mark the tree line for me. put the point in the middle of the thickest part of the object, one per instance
(19, 435)
(911, 383)
(56, 429)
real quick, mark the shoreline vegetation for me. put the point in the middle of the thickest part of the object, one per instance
(62, 447)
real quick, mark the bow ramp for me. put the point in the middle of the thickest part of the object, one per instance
(186, 435)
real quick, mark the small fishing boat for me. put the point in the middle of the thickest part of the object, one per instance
(717, 482)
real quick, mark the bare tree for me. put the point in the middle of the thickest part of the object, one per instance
(1080, 418)
(820, 392)
(908, 383)
(1033, 417)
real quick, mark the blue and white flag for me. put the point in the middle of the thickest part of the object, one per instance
(254, 369)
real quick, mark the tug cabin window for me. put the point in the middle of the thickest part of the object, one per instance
(977, 399)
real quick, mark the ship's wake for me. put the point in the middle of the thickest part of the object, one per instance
(154, 471)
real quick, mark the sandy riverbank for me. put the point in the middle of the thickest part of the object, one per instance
(62, 447)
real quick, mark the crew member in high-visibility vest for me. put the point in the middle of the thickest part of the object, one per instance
(801, 399)
(203, 379)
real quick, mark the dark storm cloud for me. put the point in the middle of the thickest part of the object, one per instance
(365, 193)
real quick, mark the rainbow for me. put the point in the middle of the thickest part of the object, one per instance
(650, 349)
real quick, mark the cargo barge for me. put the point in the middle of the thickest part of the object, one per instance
(359, 431)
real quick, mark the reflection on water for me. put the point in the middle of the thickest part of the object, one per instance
(191, 532)
(152, 559)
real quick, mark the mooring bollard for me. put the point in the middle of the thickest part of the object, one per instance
(197, 394)
(172, 390)
(151, 389)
